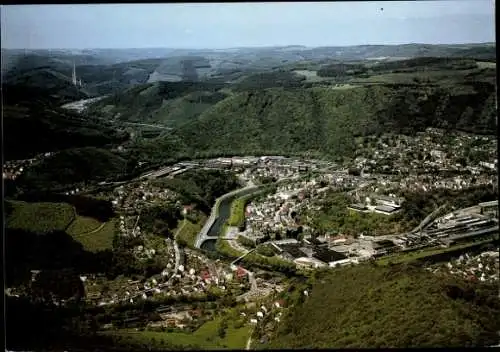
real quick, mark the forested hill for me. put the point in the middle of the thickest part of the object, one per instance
(170, 103)
(324, 120)
(397, 307)
(34, 123)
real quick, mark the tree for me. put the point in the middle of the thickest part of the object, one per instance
(221, 332)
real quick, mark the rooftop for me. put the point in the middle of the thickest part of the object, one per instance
(385, 208)
(489, 204)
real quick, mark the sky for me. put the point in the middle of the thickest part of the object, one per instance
(227, 25)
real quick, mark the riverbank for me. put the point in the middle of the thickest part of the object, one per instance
(220, 214)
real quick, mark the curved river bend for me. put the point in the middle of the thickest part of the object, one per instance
(224, 214)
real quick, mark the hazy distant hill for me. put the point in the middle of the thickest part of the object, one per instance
(282, 109)
(249, 58)
(47, 72)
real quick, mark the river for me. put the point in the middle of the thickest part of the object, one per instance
(224, 214)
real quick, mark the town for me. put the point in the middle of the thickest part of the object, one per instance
(279, 219)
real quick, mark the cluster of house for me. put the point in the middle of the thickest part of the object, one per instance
(185, 281)
(429, 183)
(256, 314)
(397, 153)
(329, 250)
(12, 169)
(172, 317)
(135, 196)
(482, 267)
(277, 212)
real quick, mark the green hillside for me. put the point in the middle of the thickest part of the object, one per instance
(38, 218)
(38, 128)
(282, 112)
(170, 103)
(284, 121)
(72, 166)
(396, 307)
(324, 120)
(52, 73)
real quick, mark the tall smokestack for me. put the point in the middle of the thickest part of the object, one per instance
(74, 74)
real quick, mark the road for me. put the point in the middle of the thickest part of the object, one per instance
(249, 341)
(176, 247)
(161, 127)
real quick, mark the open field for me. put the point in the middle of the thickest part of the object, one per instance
(408, 77)
(188, 232)
(82, 225)
(205, 337)
(100, 238)
(486, 64)
(311, 76)
(225, 248)
(237, 216)
(39, 218)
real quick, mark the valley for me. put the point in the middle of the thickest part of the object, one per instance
(228, 199)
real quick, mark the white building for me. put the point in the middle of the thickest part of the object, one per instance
(341, 262)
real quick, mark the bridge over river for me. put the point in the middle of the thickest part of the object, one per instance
(220, 214)
(222, 210)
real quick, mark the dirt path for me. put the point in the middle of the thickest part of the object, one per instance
(249, 341)
(176, 246)
(93, 231)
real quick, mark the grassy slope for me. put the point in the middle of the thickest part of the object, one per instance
(43, 218)
(92, 241)
(189, 232)
(204, 338)
(82, 225)
(39, 218)
(395, 307)
(161, 102)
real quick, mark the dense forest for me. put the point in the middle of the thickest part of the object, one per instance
(397, 307)
(201, 187)
(155, 101)
(323, 121)
(72, 166)
(34, 123)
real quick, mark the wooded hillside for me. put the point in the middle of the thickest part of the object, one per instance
(398, 307)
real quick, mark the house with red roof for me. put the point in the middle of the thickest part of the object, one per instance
(240, 272)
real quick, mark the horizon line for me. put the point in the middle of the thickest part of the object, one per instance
(253, 47)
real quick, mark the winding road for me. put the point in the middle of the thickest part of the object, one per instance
(176, 247)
